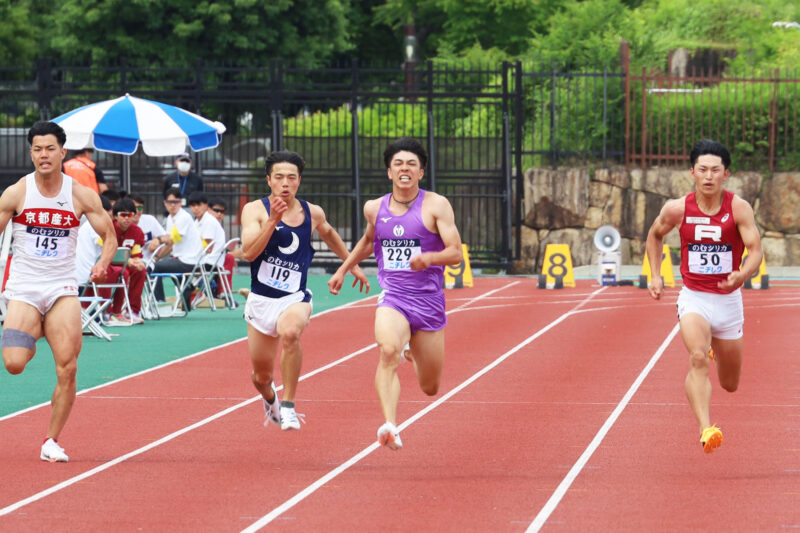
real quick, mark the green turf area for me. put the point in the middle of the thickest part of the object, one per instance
(153, 343)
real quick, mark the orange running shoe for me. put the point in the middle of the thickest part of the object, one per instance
(711, 439)
(711, 353)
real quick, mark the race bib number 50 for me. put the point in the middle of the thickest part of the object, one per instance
(710, 258)
(45, 242)
(397, 253)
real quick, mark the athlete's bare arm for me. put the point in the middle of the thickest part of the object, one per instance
(335, 243)
(362, 250)
(258, 225)
(746, 224)
(445, 221)
(10, 202)
(87, 202)
(670, 217)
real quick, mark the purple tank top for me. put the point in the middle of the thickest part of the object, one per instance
(397, 239)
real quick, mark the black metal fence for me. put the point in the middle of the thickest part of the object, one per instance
(482, 126)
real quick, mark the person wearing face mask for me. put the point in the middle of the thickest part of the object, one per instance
(183, 178)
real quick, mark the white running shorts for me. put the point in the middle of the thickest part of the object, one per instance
(42, 297)
(724, 312)
(262, 313)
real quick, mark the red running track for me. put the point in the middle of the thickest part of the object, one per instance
(560, 410)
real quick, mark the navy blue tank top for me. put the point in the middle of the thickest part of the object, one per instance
(282, 268)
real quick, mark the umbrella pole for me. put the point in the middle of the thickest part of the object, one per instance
(126, 175)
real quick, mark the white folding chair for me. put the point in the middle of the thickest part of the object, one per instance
(181, 281)
(149, 303)
(216, 268)
(120, 260)
(92, 314)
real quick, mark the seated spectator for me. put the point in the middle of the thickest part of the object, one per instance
(211, 233)
(187, 246)
(152, 229)
(87, 250)
(129, 235)
(217, 208)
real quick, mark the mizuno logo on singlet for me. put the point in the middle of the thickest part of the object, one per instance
(386, 219)
(278, 227)
(62, 204)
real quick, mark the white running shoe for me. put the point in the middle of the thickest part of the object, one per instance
(272, 410)
(389, 436)
(52, 452)
(290, 419)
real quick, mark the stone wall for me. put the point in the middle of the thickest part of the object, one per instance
(567, 205)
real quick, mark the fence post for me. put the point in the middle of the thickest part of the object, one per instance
(275, 103)
(553, 87)
(773, 121)
(44, 81)
(431, 130)
(356, 224)
(518, 88)
(625, 64)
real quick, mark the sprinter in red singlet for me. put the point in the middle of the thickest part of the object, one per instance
(715, 226)
(413, 235)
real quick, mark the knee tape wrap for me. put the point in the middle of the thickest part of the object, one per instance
(17, 338)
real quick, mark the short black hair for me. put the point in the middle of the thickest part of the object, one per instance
(285, 156)
(124, 205)
(217, 201)
(46, 127)
(106, 202)
(174, 191)
(405, 144)
(111, 194)
(137, 198)
(197, 197)
(710, 147)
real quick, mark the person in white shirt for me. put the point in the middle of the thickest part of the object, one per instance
(187, 245)
(88, 248)
(152, 228)
(211, 232)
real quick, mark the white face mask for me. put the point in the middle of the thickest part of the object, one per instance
(184, 166)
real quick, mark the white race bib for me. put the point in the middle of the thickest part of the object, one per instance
(279, 277)
(45, 243)
(397, 253)
(710, 258)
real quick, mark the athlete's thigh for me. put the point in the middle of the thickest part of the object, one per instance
(294, 317)
(23, 317)
(62, 329)
(695, 332)
(262, 348)
(428, 350)
(391, 327)
(728, 355)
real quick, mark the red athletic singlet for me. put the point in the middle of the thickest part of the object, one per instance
(711, 247)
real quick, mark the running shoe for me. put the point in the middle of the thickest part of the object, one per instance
(136, 318)
(52, 452)
(405, 353)
(711, 439)
(711, 353)
(273, 410)
(290, 419)
(389, 436)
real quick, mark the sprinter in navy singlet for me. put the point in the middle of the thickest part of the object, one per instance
(276, 239)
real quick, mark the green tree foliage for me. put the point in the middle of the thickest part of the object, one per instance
(460, 25)
(169, 31)
(17, 34)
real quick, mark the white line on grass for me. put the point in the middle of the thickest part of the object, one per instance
(300, 496)
(105, 466)
(562, 488)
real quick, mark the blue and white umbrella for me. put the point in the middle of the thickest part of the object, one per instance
(121, 124)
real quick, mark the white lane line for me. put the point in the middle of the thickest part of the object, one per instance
(105, 466)
(562, 488)
(303, 494)
(169, 363)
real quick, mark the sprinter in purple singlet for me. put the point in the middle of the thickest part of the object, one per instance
(413, 235)
(276, 239)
